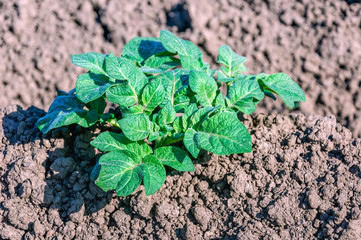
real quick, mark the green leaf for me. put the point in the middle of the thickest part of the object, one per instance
(92, 61)
(97, 105)
(223, 78)
(190, 142)
(205, 87)
(153, 95)
(124, 69)
(139, 49)
(130, 111)
(179, 46)
(177, 125)
(122, 95)
(224, 134)
(232, 61)
(136, 127)
(285, 87)
(220, 101)
(109, 141)
(120, 170)
(199, 116)
(166, 115)
(154, 174)
(244, 94)
(66, 110)
(174, 82)
(90, 86)
(189, 54)
(158, 64)
(174, 157)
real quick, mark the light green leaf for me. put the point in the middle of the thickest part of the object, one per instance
(122, 95)
(179, 46)
(190, 142)
(174, 157)
(191, 63)
(124, 69)
(153, 95)
(224, 134)
(285, 87)
(135, 127)
(90, 86)
(130, 111)
(139, 49)
(204, 86)
(92, 61)
(154, 174)
(166, 115)
(119, 170)
(244, 94)
(220, 101)
(232, 61)
(223, 78)
(159, 64)
(66, 110)
(174, 82)
(199, 116)
(109, 141)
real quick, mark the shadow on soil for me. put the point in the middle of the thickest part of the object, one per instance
(68, 165)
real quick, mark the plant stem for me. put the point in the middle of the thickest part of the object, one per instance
(114, 122)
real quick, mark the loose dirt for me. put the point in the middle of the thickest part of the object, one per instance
(302, 181)
(318, 43)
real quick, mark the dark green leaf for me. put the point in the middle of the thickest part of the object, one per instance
(174, 157)
(66, 110)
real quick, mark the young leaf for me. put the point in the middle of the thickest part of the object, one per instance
(90, 86)
(122, 94)
(189, 54)
(232, 61)
(153, 95)
(173, 82)
(174, 157)
(136, 127)
(154, 174)
(243, 93)
(92, 61)
(160, 64)
(220, 101)
(224, 134)
(190, 142)
(109, 141)
(120, 170)
(285, 87)
(205, 87)
(199, 116)
(139, 49)
(66, 110)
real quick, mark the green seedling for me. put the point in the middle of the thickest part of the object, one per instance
(170, 106)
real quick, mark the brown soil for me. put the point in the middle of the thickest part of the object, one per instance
(302, 181)
(317, 42)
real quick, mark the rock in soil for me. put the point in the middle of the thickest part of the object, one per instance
(302, 181)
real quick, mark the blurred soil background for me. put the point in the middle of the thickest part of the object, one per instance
(318, 43)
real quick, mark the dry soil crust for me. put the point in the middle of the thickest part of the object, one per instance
(317, 42)
(302, 181)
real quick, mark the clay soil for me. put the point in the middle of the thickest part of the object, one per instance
(302, 180)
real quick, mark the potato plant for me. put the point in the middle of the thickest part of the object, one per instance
(170, 106)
